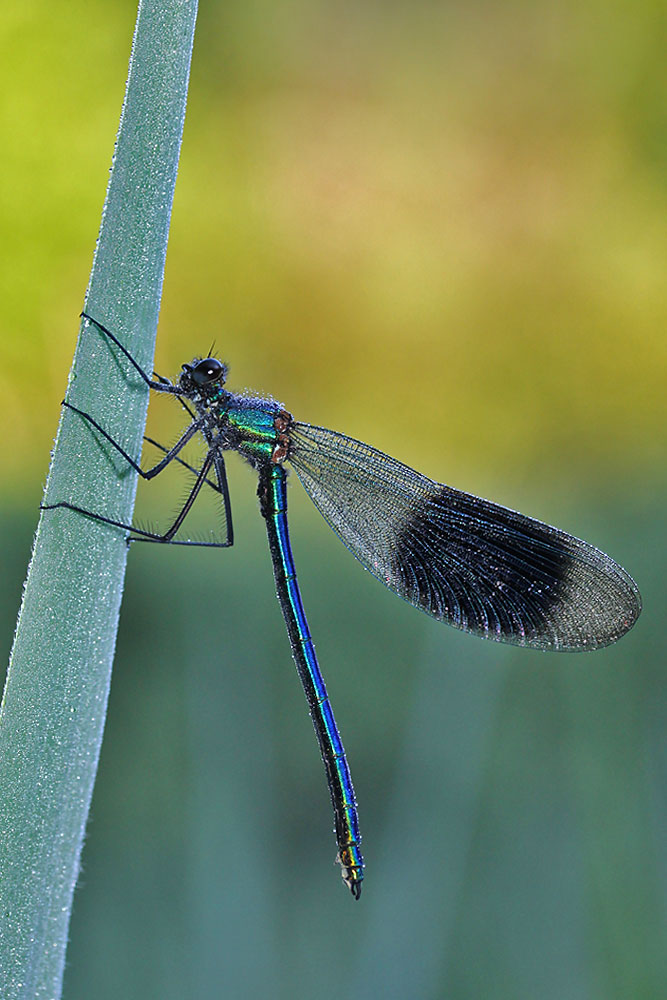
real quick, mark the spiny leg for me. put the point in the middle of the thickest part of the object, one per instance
(140, 535)
(213, 457)
(221, 476)
(186, 465)
(161, 385)
(165, 381)
(170, 453)
(65, 505)
(162, 464)
(201, 479)
(191, 413)
(221, 487)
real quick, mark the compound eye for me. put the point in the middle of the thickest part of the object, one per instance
(207, 371)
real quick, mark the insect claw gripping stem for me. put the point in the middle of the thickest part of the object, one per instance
(212, 459)
(158, 386)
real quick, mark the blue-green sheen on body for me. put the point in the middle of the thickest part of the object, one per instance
(273, 499)
(254, 422)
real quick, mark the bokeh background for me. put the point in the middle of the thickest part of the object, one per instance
(439, 228)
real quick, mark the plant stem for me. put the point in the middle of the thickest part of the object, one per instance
(54, 704)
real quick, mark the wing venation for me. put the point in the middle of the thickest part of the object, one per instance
(471, 563)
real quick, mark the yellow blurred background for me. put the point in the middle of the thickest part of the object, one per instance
(439, 228)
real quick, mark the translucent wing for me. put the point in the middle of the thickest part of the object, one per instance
(468, 562)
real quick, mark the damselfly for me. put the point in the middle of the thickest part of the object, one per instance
(476, 565)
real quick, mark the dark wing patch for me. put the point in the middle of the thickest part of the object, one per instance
(476, 565)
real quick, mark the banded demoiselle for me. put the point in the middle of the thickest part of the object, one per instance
(466, 561)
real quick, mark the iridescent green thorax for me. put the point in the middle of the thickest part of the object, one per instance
(255, 428)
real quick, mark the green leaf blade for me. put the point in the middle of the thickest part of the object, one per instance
(55, 699)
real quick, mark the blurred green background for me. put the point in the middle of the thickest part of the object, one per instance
(439, 228)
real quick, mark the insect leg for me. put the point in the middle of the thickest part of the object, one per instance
(161, 385)
(139, 534)
(180, 461)
(162, 464)
(220, 487)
